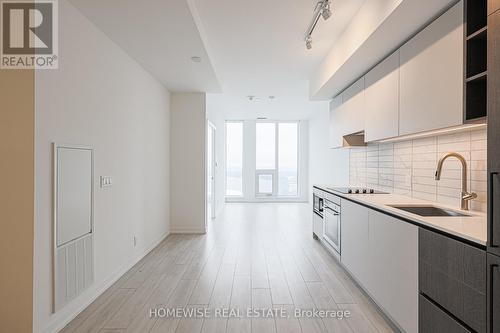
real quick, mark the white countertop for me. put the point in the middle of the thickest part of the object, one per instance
(472, 228)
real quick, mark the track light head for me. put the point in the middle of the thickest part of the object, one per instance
(322, 9)
(326, 12)
(309, 41)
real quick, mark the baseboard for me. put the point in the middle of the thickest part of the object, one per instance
(268, 201)
(187, 231)
(62, 318)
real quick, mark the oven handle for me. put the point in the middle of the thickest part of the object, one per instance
(335, 213)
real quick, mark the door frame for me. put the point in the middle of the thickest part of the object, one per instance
(211, 179)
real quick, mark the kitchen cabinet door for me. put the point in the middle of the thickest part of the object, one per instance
(434, 320)
(453, 275)
(382, 100)
(354, 240)
(431, 75)
(393, 268)
(336, 137)
(353, 108)
(347, 113)
(493, 293)
(494, 132)
(317, 225)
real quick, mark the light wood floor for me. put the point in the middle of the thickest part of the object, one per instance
(255, 255)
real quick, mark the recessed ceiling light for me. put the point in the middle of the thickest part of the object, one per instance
(196, 59)
(253, 98)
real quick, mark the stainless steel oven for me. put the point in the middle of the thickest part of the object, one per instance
(318, 205)
(331, 231)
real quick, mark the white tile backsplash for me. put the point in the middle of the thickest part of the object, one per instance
(408, 167)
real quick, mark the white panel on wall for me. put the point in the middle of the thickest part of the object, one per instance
(74, 270)
(74, 193)
(73, 222)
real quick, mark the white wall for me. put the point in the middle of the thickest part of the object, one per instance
(326, 166)
(187, 162)
(101, 97)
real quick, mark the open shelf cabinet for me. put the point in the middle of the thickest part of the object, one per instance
(476, 71)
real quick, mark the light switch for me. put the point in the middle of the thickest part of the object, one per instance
(106, 181)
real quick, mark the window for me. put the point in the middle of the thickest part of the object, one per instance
(288, 141)
(265, 183)
(265, 134)
(276, 169)
(234, 159)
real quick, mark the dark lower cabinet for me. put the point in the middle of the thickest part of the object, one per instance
(493, 293)
(431, 319)
(453, 275)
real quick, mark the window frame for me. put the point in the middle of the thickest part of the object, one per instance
(263, 172)
(275, 172)
(231, 196)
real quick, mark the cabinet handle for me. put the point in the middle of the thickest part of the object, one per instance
(491, 221)
(491, 298)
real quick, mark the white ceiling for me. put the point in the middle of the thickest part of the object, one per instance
(247, 47)
(161, 35)
(235, 107)
(257, 47)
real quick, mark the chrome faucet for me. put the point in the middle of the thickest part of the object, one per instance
(465, 196)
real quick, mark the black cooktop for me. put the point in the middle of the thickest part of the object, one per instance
(356, 190)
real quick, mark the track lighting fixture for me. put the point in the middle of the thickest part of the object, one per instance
(326, 12)
(309, 41)
(322, 9)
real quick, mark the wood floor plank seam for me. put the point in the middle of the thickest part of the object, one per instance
(253, 255)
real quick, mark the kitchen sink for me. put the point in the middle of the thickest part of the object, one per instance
(429, 211)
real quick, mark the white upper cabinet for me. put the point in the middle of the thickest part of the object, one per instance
(347, 112)
(382, 100)
(353, 108)
(335, 123)
(418, 88)
(431, 75)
